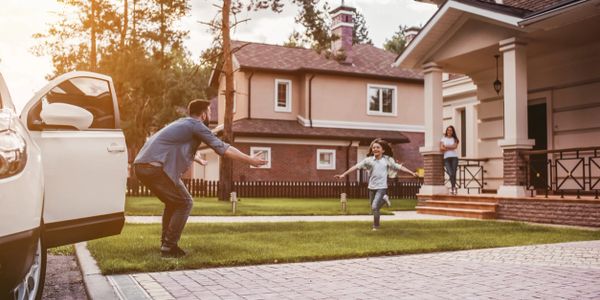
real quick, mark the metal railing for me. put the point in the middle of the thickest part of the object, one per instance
(470, 174)
(571, 171)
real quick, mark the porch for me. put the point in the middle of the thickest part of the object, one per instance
(563, 187)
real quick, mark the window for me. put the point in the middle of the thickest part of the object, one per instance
(91, 94)
(283, 95)
(325, 159)
(381, 100)
(265, 152)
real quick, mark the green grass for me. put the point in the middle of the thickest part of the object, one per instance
(212, 245)
(151, 206)
(62, 250)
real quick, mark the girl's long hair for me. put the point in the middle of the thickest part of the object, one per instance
(453, 133)
(387, 149)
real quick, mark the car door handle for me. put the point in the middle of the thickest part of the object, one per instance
(115, 148)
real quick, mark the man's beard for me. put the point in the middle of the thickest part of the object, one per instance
(206, 121)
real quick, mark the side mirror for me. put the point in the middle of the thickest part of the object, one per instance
(63, 114)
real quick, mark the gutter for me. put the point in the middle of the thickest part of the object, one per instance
(310, 100)
(250, 95)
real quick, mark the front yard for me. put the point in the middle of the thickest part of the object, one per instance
(151, 206)
(213, 245)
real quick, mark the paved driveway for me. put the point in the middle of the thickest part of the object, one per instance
(557, 271)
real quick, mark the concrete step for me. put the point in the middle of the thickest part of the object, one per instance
(488, 198)
(462, 204)
(457, 212)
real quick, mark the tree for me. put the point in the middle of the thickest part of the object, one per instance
(318, 30)
(398, 41)
(360, 34)
(153, 74)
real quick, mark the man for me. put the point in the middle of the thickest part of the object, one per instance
(167, 155)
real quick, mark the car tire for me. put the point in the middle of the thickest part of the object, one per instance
(32, 286)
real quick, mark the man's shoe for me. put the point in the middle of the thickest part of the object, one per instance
(387, 200)
(173, 251)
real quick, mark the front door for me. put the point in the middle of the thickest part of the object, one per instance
(537, 127)
(75, 122)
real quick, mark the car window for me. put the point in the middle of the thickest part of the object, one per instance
(91, 94)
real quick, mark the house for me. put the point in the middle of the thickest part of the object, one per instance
(314, 116)
(532, 82)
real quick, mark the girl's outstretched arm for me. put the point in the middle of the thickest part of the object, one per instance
(402, 168)
(352, 169)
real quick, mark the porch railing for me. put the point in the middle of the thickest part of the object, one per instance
(572, 171)
(470, 174)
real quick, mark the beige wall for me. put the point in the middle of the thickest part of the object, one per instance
(345, 99)
(336, 100)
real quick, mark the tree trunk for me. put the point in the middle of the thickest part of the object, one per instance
(93, 37)
(125, 23)
(226, 167)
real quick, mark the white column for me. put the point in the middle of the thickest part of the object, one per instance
(432, 156)
(515, 110)
(433, 108)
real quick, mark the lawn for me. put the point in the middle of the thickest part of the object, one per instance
(151, 206)
(213, 245)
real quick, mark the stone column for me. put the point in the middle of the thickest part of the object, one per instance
(432, 156)
(516, 136)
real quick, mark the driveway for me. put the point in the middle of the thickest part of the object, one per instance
(554, 271)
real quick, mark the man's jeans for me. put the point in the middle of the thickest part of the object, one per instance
(178, 201)
(451, 164)
(376, 197)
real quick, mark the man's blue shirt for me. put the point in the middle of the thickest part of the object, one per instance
(175, 145)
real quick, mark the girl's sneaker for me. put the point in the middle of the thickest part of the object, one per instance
(387, 200)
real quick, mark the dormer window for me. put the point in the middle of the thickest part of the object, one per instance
(283, 95)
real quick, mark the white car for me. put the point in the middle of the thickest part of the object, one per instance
(63, 170)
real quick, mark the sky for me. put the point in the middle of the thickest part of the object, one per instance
(25, 73)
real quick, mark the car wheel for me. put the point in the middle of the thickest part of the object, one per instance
(33, 284)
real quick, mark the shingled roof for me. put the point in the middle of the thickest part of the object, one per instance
(292, 129)
(368, 61)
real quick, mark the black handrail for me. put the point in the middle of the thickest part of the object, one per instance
(560, 171)
(470, 174)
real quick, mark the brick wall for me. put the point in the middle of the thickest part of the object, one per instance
(515, 168)
(565, 212)
(408, 153)
(434, 169)
(293, 163)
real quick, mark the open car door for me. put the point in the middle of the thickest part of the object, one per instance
(75, 121)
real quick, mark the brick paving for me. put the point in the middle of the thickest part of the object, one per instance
(555, 271)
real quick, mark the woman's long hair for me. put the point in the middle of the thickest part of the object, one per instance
(387, 149)
(453, 133)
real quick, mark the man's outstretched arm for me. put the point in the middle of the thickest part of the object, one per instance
(235, 154)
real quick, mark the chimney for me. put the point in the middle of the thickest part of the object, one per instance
(411, 33)
(343, 27)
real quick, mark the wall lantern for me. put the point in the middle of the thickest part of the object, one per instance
(497, 83)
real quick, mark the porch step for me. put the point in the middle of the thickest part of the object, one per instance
(462, 204)
(488, 198)
(457, 212)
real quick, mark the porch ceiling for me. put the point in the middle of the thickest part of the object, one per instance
(540, 43)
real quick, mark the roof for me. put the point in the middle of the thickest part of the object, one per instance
(293, 129)
(367, 61)
(512, 13)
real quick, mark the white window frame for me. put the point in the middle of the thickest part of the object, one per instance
(253, 151)
(288, 102)
(326, 166)
(394, 100)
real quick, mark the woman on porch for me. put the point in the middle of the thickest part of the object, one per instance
(448, 145)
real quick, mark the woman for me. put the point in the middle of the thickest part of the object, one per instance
(448, 145)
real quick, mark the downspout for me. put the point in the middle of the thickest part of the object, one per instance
(250, 94)
(310, 99)
(348, 159)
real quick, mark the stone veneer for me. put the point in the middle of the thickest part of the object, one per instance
(552, 211)
(515, 168)
(434, 169)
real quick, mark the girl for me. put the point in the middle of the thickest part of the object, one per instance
(448, 145)
(381, 164)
